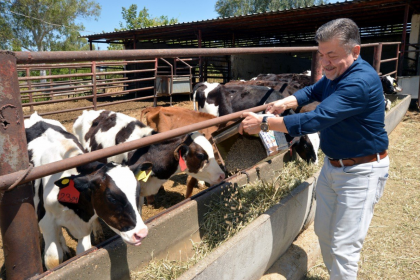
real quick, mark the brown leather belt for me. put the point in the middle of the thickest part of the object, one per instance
(357, 160)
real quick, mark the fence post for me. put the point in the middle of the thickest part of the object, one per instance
(51, 86)
(19, 227)
(316, 69)
(94, 84)
(155, 91)
(28, 74)
(377, 54)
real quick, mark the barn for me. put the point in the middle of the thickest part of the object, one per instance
(379, 21)
(395, 22)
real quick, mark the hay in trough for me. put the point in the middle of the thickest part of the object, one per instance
(230, 212)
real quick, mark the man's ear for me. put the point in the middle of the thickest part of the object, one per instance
(356, 51)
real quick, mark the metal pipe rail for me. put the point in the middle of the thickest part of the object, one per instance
(22, 67)
(51, 168)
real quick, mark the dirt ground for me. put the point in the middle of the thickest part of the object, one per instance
(174, 189)
(392, 247)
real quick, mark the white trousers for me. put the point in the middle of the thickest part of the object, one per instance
(345, 198)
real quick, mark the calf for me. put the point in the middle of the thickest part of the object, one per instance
(166, 118)
(287, 84)
(389, 86)
(220, 100)
(192, 153)
(93, 190)
(225, 99)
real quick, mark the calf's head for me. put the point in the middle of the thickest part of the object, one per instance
(390, 85)
(112, 193)
(196, 154)
(206, 103)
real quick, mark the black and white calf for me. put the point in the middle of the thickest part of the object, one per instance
(390, 86)
(75, 198)
(220, 100)
(192, 153)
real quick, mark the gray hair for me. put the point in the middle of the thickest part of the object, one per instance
(344, 29)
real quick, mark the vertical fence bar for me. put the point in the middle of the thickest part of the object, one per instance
(377, 54)
(155, 92)
(94, 100)
(397, 61)
(316, 69)
(19, 227)
(51, 85)
(403, 41)
(28, 74)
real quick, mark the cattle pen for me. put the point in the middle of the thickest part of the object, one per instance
(23, 255)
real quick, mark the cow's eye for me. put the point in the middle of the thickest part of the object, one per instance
(111, 199)
(201, 156)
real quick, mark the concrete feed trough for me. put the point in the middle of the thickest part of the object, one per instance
(245, 256)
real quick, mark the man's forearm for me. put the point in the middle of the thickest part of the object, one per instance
(291, 102)
(277, 123)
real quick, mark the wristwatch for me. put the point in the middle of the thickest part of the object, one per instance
(264, 124)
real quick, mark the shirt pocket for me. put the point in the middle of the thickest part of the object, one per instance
(380, 188)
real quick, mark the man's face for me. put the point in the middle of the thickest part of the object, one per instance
(334, 59)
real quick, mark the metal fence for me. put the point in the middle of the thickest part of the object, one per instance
(22, 255)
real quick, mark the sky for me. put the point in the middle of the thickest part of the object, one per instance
(184, 11)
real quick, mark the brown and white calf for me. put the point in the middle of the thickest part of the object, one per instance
(75, 198)
(192, 153)
(164, 119)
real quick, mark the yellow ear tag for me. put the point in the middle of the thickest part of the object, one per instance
(142, 176)
(65, 181)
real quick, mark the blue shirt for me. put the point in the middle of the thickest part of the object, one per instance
(350, 116)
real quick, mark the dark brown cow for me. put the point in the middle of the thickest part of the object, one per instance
(287, 84)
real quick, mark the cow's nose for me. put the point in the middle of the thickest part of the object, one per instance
(221, 177)
(139, 236)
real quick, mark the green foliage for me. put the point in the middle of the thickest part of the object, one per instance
(142, 20)
(42, 25)
(227, 8)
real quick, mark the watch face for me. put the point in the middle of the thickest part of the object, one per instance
(264, 127)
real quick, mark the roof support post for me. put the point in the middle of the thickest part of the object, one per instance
(402, 49)
(200, 78)
(377, 54)
(316, 69)
(19, 227)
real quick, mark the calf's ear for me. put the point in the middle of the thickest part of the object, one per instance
(80, 183)
(145, 166)
(181, 150)
(89, 167)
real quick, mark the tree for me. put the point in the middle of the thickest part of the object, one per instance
(227, 8)
(42, 25)
(142, 20)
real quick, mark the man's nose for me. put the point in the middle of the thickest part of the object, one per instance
(324, 61)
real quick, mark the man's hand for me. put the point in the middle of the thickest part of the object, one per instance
(251, 124)
(276, 108)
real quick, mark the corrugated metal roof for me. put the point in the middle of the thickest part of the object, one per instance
(379, 15)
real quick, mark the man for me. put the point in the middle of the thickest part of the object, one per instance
(350, 119)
